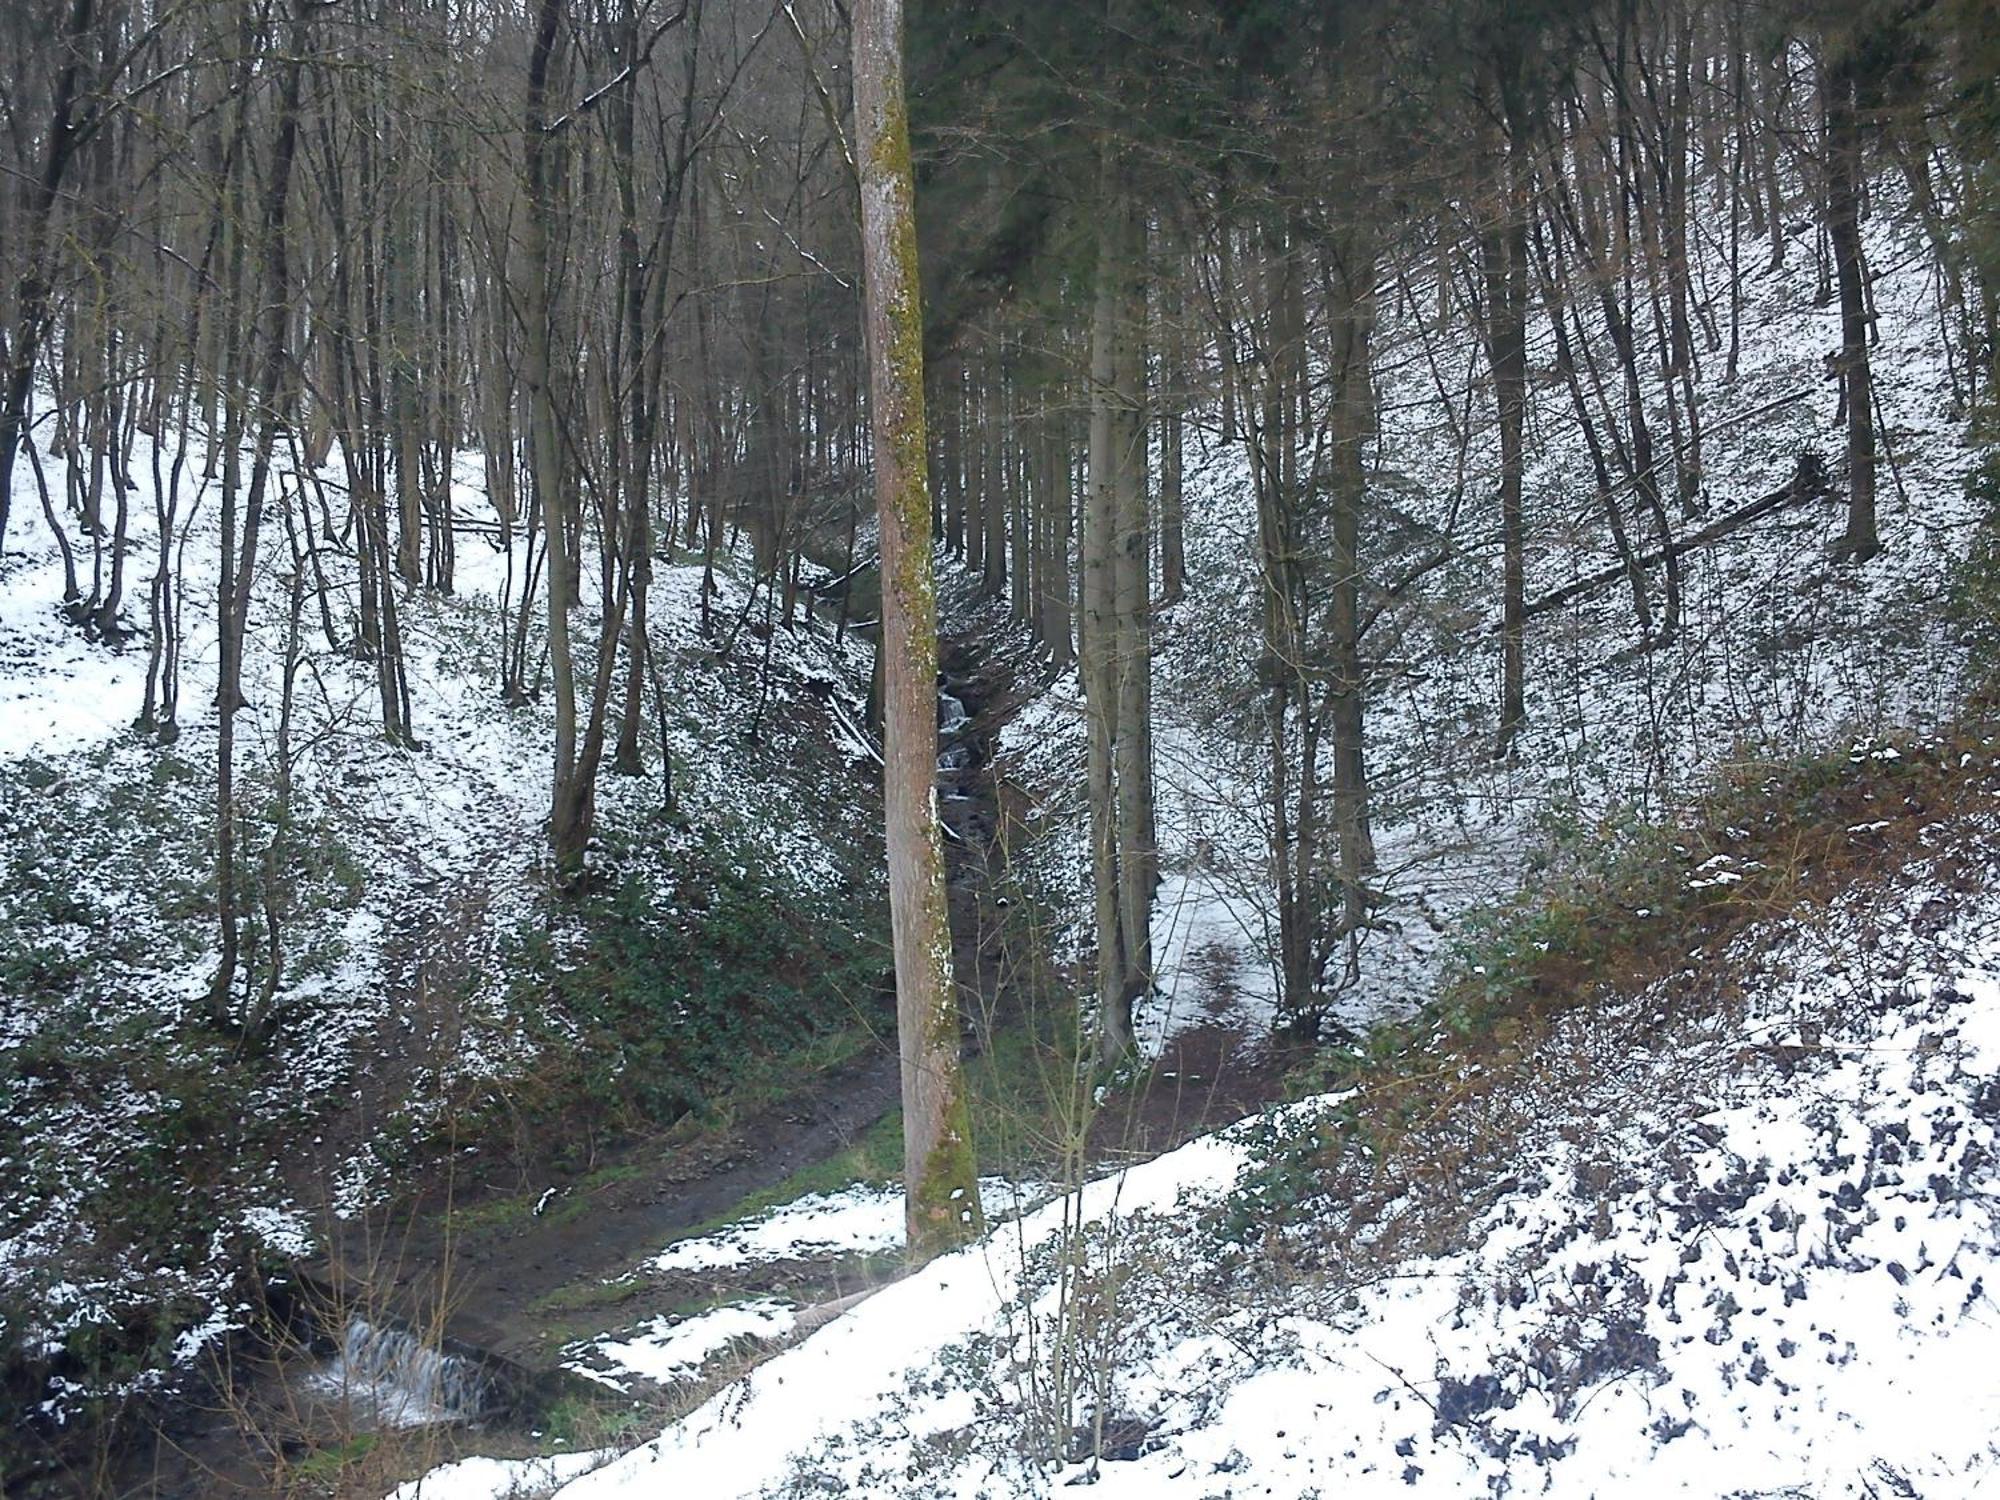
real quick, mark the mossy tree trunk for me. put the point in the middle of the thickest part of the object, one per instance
(1503, 256)
(940, 1190)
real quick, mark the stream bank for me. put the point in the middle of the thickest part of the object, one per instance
(447, 1326)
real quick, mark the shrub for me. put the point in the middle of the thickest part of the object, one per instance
(654, 990)
(1973, 600)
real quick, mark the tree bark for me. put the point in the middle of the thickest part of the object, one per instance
(1116, 652)
(269, 386)
(571, 789)
(1843, 171)
(940, 1191)
(1504, 257)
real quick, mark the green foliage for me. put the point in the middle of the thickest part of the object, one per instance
(1590, 884)
(107, 868)
(1029, 1087)
(1286, 1175)
(1971, 44)
(578, 1423)
(589, 1298)
(325, 1466)
(514, 1211)
(120, 1120)
(661, 989)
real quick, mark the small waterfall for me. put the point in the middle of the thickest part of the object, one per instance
(391, 1376)
(953, 720)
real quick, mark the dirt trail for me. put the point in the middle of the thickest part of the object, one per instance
(502, 1286)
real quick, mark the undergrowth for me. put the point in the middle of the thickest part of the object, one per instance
(1973, 599)
(687, 986)
(1615, 908)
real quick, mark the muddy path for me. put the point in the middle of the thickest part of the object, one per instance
(507, 1273)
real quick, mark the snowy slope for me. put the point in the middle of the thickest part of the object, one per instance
(417, 872)
(1730, 1236)
(1780, 651)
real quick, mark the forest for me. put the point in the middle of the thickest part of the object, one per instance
(1075, 718)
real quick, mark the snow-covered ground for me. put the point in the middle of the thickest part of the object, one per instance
(855, 1226)
(497, 1478)
(1780, 652)
(667, 1349)
(863, 1219)
(1594, 1326)
(416, 878)
(1729, 1235)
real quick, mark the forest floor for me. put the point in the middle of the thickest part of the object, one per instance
(569, 1282)
(1731, 1179)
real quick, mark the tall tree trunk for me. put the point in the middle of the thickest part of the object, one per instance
(1098, 658)
(1504, 257)
(951, 459)
(941, 1193)
(1843, 179)
(994, 488)
(635, 367)
(31, 296)
(1170, 401)
(1271, 425)
(1138, 858)
(1116, 653)
(268, 386)
(1351, 303)
(1059, 499)
(570, 798)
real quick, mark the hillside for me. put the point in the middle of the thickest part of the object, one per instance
(1663, 1161)
(433, 988)
(779, 747)
(1728, 1233)
(1566, 1261)
(1813, 1252)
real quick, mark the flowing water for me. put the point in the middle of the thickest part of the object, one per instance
(388, 1377)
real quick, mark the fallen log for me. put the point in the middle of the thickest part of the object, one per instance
(1808, 482)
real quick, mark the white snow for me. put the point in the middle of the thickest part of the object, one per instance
(1204, 937)
(1729, 1261)
(863, 1219)
(668, 1349)
(283, 1231)
(497, 1478)
(1780, 653)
